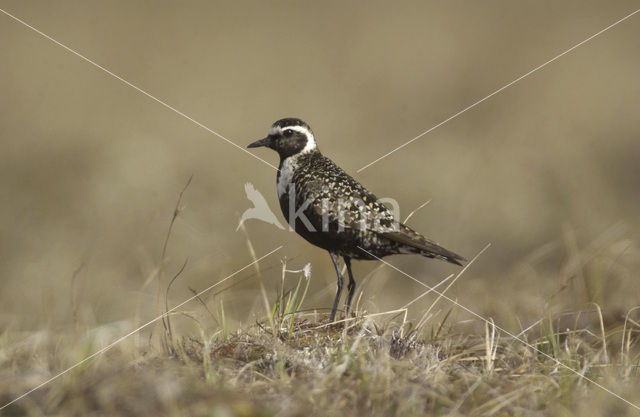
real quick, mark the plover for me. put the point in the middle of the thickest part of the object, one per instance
(333, 211)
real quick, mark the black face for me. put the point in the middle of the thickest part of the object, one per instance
(287, 137)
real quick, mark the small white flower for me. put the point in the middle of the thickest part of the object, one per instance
(307, 271)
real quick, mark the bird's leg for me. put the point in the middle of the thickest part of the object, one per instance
(352, 283)
(336, 263)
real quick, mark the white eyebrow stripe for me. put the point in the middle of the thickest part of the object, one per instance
(275, 130)
(300, 129)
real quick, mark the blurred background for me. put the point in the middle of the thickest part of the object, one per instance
(547, 171)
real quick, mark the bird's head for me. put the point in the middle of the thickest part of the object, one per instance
(288, 137)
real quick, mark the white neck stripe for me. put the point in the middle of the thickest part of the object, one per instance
(311, 144)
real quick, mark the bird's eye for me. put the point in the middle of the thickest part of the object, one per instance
(288, 132)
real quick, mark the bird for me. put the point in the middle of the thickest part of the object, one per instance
(260, 209)
(332, 210)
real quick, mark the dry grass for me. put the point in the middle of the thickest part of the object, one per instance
(361, 369)
(292, 363)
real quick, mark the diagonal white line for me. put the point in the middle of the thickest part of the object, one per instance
(529, 345)
(428, 291)
(79, 55)
(112, 344)
(499, 90)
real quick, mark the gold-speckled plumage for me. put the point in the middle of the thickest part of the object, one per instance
(334, 211)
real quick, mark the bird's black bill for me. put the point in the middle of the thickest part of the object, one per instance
(262, 142)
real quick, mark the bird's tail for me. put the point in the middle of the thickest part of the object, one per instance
(431, 250)
(413, 242)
